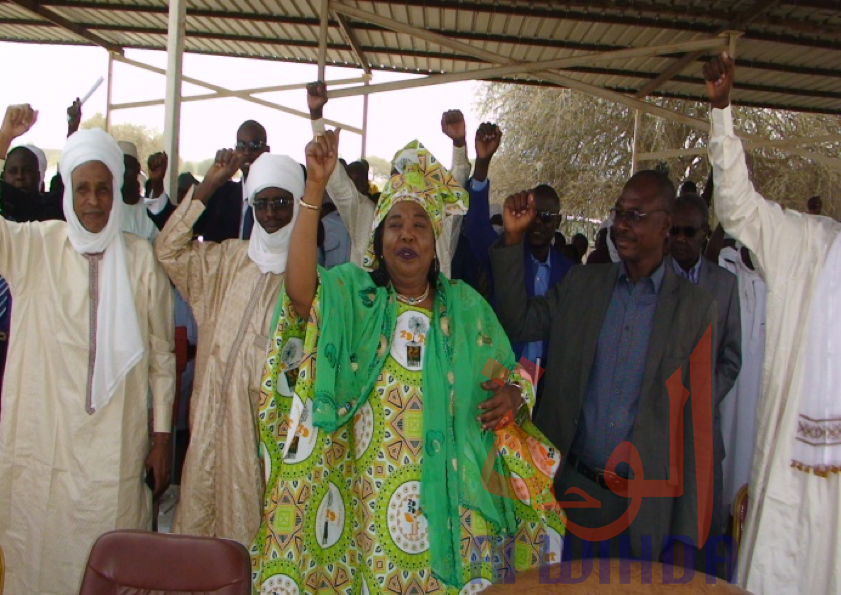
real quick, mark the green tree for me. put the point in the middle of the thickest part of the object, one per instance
(146, 140)
(380, 168)
(582, 146)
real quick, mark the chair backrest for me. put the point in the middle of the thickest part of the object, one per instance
(740, 513)
(125, 562)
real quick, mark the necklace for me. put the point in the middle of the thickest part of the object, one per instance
(414, 300)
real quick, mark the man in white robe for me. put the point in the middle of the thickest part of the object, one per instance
(93, 321)
(792, 538)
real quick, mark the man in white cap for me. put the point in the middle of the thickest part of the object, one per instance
(136, 218)
(93, 321)
(232, 288)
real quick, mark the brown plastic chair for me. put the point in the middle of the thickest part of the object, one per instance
(126, 562)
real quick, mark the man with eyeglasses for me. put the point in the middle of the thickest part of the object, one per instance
(690, 229)
(792, 541)
(232, 288)
(228, 215)
(616, 334)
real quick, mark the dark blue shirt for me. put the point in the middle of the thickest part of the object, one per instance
(613, 389)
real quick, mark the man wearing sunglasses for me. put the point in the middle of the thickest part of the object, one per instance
(228, 215)
(616, 334)
(690, 229)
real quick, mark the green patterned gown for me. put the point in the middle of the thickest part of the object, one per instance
(344, 510)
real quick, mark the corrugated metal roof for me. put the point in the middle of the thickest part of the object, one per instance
(789, 56)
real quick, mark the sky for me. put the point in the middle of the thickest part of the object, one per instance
(50, 77)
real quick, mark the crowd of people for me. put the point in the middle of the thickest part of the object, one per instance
(402, 389)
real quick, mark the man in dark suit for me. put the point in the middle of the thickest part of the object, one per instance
(616, 334)
(690, 227)
(228, 215)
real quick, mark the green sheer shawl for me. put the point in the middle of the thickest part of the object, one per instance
(345, 357)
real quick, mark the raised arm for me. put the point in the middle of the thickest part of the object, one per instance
(301, 270)
(156, 165)
(477, 223)
(192, 266)
(17, 121)
(74, 116)
(764, 227)
(355, 208)
(453, 126)
(523, 318)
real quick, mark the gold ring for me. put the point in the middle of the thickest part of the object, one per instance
(318, 136)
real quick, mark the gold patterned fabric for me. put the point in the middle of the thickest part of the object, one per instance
(421, 179)
(344, 510)
(232, 302)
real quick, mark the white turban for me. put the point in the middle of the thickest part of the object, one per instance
(128, 148)
(42, 160)
(119, 344)
(269, 250)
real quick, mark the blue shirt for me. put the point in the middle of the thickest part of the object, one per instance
(613, 389)
(694, 274)
(542, 270)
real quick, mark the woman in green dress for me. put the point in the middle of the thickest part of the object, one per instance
(391, 463)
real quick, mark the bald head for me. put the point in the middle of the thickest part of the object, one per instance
(655, 184)
(252, 141)
(693, 203)
(255, 128)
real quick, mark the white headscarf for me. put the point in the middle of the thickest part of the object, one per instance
(269, 250)
(119, 344)
(42, 160)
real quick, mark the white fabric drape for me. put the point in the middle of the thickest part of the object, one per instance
(119, 345)
(817, 442)
(738, 409)
(270, 250)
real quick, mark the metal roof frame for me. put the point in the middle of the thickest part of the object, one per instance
(619, 51)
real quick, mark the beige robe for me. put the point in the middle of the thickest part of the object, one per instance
(792, 538)
(233, 303)
(66, 475)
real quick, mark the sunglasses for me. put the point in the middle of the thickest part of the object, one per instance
(276, 204)
(547, 216)
(687, 231)
(254, 145)
(631, 216)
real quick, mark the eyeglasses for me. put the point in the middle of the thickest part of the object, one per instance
(688, 231)
(631, 216)
(547, 216)
(275, 204)
(254, 145)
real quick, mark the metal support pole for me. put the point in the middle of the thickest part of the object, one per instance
(365, 123)
(172, 105)
(109, 88)
(635, 147)
(322, 38)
